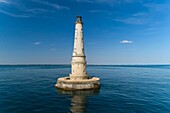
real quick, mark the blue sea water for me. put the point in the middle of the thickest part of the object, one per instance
(124, 89)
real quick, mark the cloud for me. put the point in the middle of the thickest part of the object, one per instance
(111, 2)
(132, 20)
(139, 14)
(149, 31)
(4, 1)
(126, 42)
(53, 49)
(88, 1)
(103, 11)
(15, 6)
(38, 10)
(135, 18)
(14, 15)
(37, 43)
(56, 6)
(99, 11)
(20, 10)
(108, 13)
(158, 7)
(148, 16)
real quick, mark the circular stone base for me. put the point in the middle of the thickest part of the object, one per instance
(84, 84)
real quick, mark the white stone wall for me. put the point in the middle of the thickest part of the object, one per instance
(78, 40)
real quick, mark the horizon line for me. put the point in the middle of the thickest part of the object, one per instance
(87, 64)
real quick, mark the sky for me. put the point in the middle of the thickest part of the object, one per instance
(115, 31)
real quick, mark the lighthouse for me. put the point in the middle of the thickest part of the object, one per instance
(78, 78)
(78, 63)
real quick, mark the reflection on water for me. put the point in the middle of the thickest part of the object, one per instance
(79, 99)
(78, 104)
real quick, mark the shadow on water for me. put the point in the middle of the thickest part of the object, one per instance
(79, 99)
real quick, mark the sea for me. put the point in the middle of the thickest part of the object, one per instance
(124, 89)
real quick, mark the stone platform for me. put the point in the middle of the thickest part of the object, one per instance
(84, 84)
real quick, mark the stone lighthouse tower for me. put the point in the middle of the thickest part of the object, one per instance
(78, 63)
(78, 78)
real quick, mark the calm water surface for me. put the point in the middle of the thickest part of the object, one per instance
(124, 89)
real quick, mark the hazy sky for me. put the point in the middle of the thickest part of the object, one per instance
(115, 31)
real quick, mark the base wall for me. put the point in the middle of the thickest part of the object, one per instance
(66, 84)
